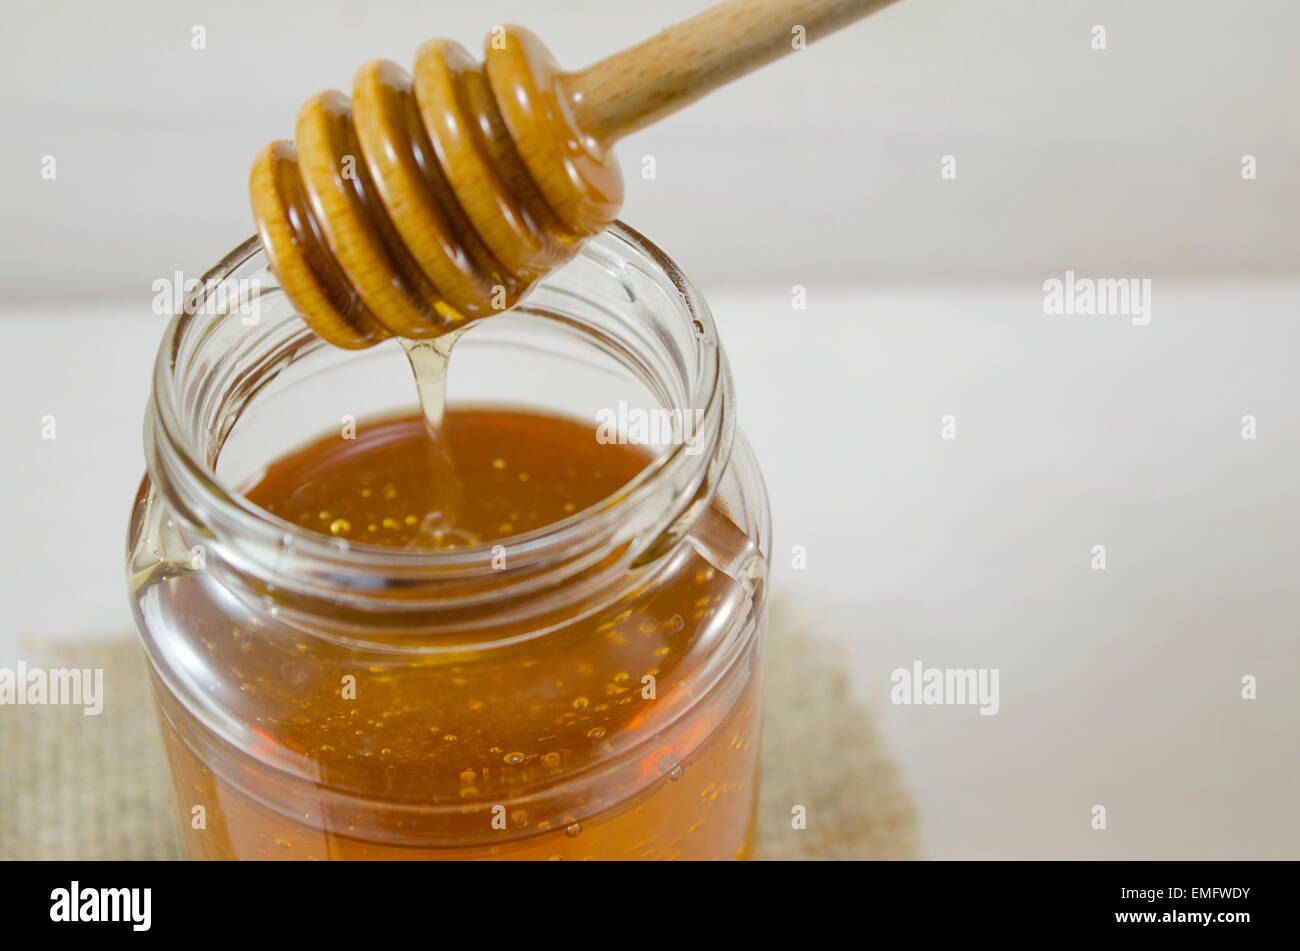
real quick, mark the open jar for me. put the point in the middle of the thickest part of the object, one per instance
(322, 699)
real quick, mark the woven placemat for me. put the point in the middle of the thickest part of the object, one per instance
(79, 787)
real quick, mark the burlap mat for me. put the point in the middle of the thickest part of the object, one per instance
(79, 787)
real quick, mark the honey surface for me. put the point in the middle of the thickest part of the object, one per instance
(484, 732)
(493, 475)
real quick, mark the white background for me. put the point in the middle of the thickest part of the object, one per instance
(924, 299)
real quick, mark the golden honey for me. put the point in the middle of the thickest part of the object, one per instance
(475, 731)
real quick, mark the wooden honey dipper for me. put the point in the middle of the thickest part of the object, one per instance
(431, 200)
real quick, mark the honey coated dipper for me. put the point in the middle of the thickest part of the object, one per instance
(433, 199)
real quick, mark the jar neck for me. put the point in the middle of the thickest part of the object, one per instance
(212, 367)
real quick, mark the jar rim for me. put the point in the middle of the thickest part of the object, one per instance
(683, 462)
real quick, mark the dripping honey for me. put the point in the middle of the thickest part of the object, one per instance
(475, 738)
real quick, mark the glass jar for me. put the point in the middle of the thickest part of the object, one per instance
(298, 677)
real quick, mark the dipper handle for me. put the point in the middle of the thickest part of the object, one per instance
(639, 86)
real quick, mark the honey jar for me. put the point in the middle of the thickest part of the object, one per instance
(551, 651)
